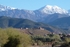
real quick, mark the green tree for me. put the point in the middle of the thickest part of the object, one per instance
(17, 38)
(67, 39)
(3, 38)
(40, 43)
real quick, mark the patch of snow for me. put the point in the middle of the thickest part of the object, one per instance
(48, 9)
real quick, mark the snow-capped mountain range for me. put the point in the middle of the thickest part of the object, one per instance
(4, 8)
(45, 14)
(48, 9)
(53, 9)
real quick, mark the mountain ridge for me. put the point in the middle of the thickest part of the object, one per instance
(62, 23)
(6, 22)
(47, 8)
(5, 8)
(35, 15)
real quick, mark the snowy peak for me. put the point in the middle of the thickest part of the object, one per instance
(48, 9)
(4, 8)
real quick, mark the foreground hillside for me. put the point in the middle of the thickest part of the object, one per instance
(11, 37)
(41, 32)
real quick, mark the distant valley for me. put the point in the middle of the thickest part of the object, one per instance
(62, 23)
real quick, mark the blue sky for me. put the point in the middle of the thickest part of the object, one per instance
(35, 4)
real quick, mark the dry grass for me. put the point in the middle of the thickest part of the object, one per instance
(35, 31)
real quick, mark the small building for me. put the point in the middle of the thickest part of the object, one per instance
(26, 28)
(41, 28)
